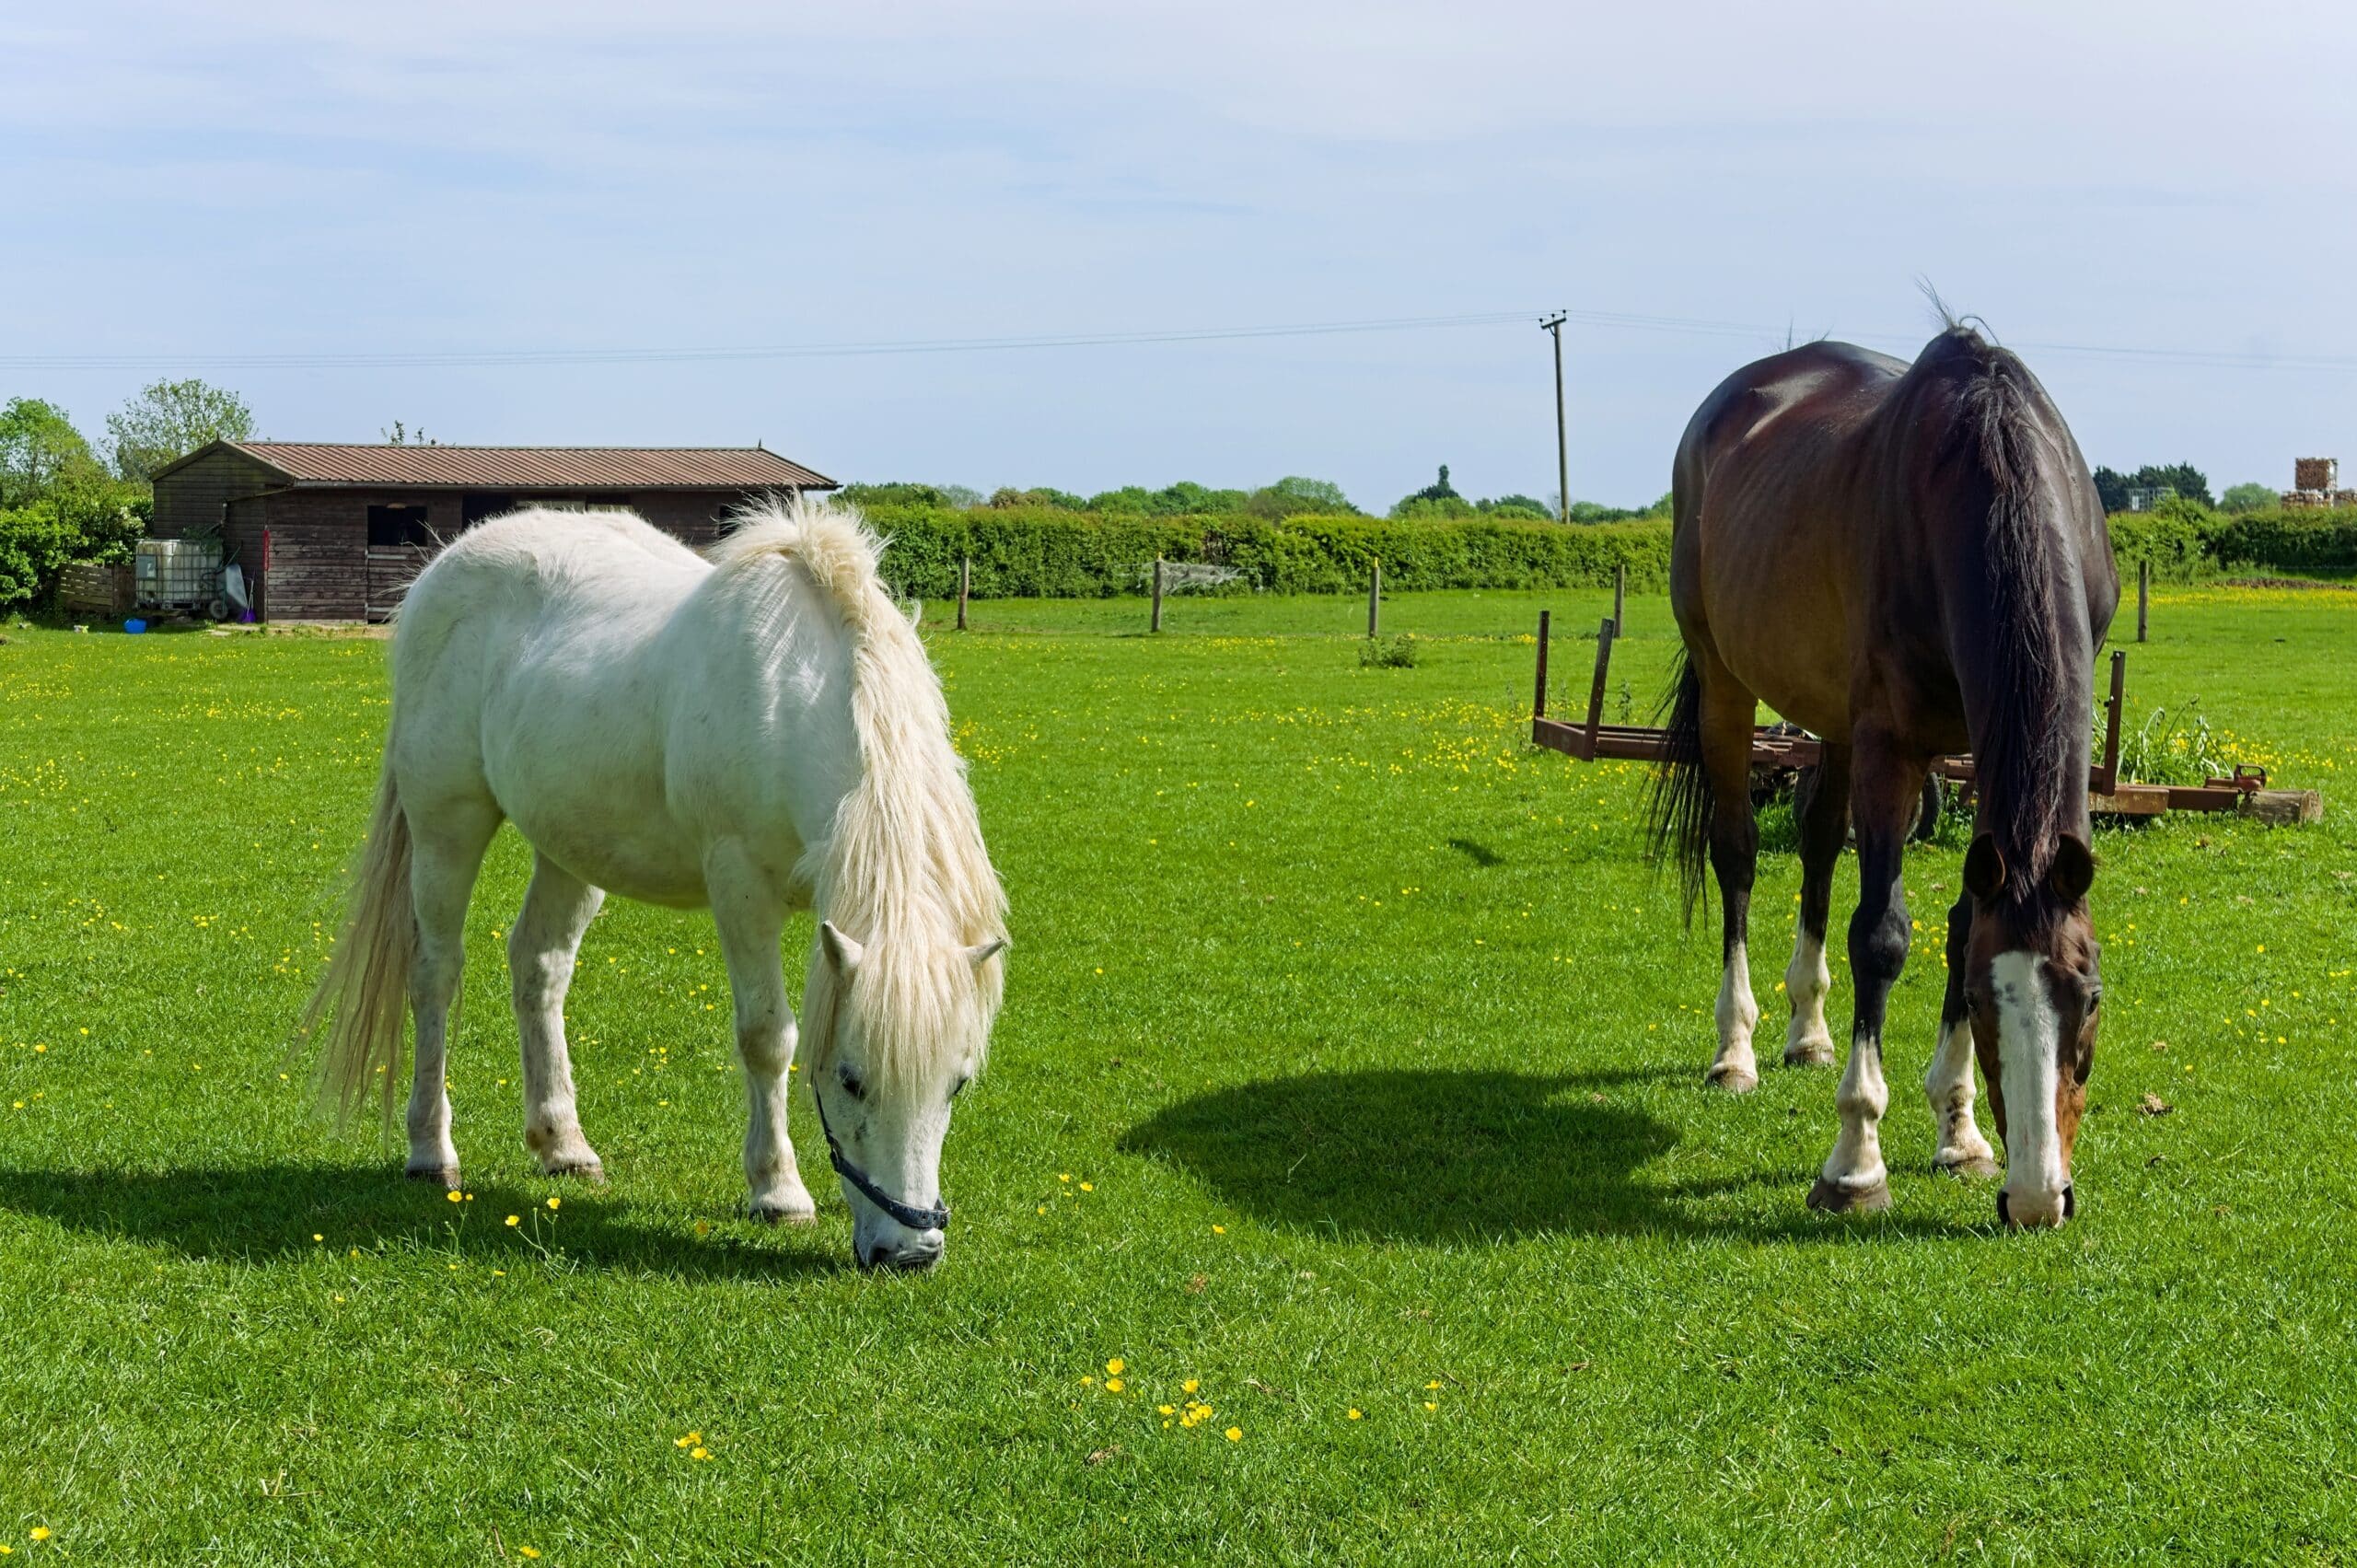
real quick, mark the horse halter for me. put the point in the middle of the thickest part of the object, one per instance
(934, 1218)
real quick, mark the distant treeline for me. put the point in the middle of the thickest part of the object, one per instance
(1290, 497)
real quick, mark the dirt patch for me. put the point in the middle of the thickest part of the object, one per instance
(2290, 583)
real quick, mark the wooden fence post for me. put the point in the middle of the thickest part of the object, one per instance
(2143, 596)
(965, 585)
(1620, 593)
(1157, 594)
(1375, 600)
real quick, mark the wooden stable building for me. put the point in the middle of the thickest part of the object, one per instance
(332, 532)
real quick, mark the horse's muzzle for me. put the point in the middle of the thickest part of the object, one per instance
(913, 1257)
(2038, 1213)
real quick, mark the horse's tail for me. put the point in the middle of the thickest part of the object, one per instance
(364, 996)
(1680, 808)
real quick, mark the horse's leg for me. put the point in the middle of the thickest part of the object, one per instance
(446, 844)
(557, 909)
(1884, 789)
(1822, 815)
(751, 915)
(1728, 712)
(1949, 1083)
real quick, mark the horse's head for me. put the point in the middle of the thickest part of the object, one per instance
(900, 1029)
(2033, 982)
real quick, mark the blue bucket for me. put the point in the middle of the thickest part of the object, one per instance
(135, 626)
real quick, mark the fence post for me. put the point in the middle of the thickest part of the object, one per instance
(1375, 600)
(1157, 594)
(1620, 593)
(965, 585)
(2143, 594)
(1539, 697)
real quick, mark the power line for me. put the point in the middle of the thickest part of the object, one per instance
(1608, 320)
(465, 358)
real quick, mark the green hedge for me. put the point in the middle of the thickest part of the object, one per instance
(2185, 541)
(1048, 552)
(1028, 552)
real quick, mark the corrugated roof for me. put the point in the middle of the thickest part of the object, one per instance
(533, 468)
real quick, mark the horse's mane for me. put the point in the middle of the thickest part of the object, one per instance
(904, 871)
(2025, 756)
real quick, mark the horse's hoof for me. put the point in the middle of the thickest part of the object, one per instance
(774, 1214)
(1831, 1198)
(588, 1170)
(1966, 1168)
(1734, 1080)
(448, 1175)
(1809, 1054)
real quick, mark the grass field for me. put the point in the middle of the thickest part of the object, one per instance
(1349, 1083)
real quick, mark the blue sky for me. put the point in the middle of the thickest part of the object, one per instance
(182, 183)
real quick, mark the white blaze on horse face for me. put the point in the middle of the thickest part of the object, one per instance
(2029, 1053)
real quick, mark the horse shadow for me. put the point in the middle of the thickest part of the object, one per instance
(1438, 1157)
(262, 1213)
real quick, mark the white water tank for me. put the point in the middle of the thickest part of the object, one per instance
(176, 574)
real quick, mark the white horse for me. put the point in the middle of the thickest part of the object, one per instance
(757, 730)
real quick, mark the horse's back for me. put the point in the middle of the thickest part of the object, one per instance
(520, 672)
(1765, 490)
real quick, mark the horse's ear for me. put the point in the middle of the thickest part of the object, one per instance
(1984, 868)
(842, 952)
(2074, 871)
(983, 952)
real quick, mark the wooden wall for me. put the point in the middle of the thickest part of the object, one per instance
(191, 501)
(321, 568)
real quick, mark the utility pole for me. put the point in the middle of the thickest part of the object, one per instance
(1554, 326)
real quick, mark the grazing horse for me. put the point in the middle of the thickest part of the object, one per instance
(757, 730)
(1910, 561)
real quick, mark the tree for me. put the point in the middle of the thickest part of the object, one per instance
(1296, 497)
(1440, 492)
(1515, 507)
(172, 419)
(39, 447)
(2250, 497)
(2190, 482)
(2111, 490)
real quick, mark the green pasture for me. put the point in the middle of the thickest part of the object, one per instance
(1349, 1086)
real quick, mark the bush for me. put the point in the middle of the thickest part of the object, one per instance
(1398, 652)
(2175, 537)
(36, 543)
(1048, 552)
(2297, 544)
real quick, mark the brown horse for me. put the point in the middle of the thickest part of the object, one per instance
(1910, 561)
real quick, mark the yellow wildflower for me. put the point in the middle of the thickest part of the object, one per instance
(515, 1219)
(1117, 1367)
(1236, 1435)
(556, 1202)
(455, 1197)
